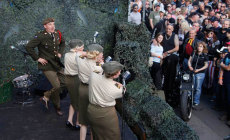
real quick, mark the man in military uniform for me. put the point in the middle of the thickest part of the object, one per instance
(50, 46)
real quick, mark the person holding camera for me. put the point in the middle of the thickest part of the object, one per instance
(103, 91)
(197, 63)
(90, 62)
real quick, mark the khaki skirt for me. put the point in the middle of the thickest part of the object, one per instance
(83, 103)
(72, 84)
(104, 122)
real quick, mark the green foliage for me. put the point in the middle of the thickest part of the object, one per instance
(5, 91)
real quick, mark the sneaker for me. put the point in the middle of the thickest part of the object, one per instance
(195, 104)
(197, 107)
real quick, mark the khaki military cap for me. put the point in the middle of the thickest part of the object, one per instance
(75, 43)
(112, 67)
(48, 20)
(95, 47)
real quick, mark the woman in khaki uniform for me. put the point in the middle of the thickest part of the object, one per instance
(86, 65)
(103, 91)
(72, 80)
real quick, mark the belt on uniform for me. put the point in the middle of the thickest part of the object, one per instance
(71, 75)
(84, 84)
(97, 106)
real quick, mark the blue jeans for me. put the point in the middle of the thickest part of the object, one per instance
(185, 64)
(198, 81)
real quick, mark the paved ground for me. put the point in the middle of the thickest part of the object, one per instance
(33, 122)
(206, 123)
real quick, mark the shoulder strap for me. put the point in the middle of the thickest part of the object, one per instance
(196, 60)
(59, 35)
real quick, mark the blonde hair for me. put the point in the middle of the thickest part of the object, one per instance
(183, 10)
(92, 54)
(178, 10)
(180, 16)
(184, 26)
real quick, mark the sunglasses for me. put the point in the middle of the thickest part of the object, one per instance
(170, 24)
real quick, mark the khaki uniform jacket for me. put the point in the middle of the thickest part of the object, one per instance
(103, 91)
(46, 50)
(86, 67)
(71, 67)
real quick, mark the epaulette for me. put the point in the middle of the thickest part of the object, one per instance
(117, 85)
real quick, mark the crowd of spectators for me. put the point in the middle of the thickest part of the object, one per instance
(194, 34)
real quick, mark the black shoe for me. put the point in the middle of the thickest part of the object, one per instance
(76, 127)
(69, 125)
(72, 127)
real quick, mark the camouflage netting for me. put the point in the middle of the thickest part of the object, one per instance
(22, 19)
(140, 105)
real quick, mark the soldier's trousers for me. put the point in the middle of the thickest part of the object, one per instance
(56, 79)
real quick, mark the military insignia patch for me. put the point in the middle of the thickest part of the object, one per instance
(117, 85)
(82, 57)
(98, 64)
(96, 71)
